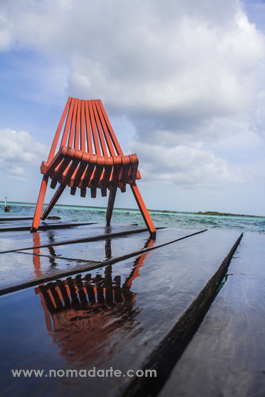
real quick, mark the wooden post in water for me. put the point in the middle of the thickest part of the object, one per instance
(7, 207)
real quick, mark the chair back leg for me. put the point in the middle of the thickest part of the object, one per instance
(112, 196)
(54, 200)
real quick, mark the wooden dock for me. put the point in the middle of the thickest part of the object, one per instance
(76, 297)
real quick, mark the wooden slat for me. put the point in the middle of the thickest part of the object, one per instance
(83, 132)
(72, 130)
(77, 128)
(68, 123)
(83, 184)
(111, 132)
(75, 180)
(97, 174)
(57, 175)
(126, 165)
(73, 167)
(105, 129)
(58, 131)
(94, 129)
(80, 125)
(49, 168)
(105, 177)
(101, 137)
(134, 168)
(88, 129)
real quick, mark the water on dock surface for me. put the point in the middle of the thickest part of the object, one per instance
(114, 312)
(130, 216)
(81, 296)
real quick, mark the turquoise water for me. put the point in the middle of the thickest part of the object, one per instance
(169, 219)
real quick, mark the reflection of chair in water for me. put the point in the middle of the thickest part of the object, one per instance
(81, 312)
(81, 293)
(89, 156)
(37, 253)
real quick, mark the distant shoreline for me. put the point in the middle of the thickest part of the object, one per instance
(215, 213)
(207, 213)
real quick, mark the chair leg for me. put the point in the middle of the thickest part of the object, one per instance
(54, 200)
(38, 209)
(143, 209)
(112, 196)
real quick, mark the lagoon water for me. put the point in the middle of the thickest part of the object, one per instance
(160, 219)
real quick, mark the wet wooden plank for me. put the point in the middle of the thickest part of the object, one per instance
(58, 260)
(12, 241)
(113, 246)
(23, 226)
(227, 355)
(151, 294)
(6, 219)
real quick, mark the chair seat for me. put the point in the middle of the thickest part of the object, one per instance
(76, 168)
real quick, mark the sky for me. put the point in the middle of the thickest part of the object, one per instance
(182, 81)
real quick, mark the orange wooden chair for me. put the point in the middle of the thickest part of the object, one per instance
(89, 156)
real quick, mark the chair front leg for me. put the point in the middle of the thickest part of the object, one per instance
(38, 209)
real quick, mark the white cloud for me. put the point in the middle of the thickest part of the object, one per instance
(19, 151)
(183, 70)
(195, 61)
(17, 173)
(185, 166)
(5, 32)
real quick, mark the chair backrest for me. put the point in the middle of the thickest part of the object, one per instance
(86, 127)
(88, 151)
